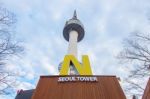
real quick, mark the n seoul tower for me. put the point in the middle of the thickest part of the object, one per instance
(73, 32)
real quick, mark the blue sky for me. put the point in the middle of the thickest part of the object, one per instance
(40, 24)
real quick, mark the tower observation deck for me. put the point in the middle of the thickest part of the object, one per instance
(73, 32)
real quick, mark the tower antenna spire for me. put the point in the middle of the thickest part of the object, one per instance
(75, 15)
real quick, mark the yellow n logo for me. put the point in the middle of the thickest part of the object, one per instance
(83, 69)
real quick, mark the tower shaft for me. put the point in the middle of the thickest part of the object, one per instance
(72, 49)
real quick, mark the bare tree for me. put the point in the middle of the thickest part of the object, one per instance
(137, 50)
(8, 48)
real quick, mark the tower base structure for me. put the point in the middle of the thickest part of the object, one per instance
(78, 87)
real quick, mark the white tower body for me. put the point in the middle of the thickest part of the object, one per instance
(72, 49)
(73, 32)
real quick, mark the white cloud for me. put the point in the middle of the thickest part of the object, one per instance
(24, 86)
